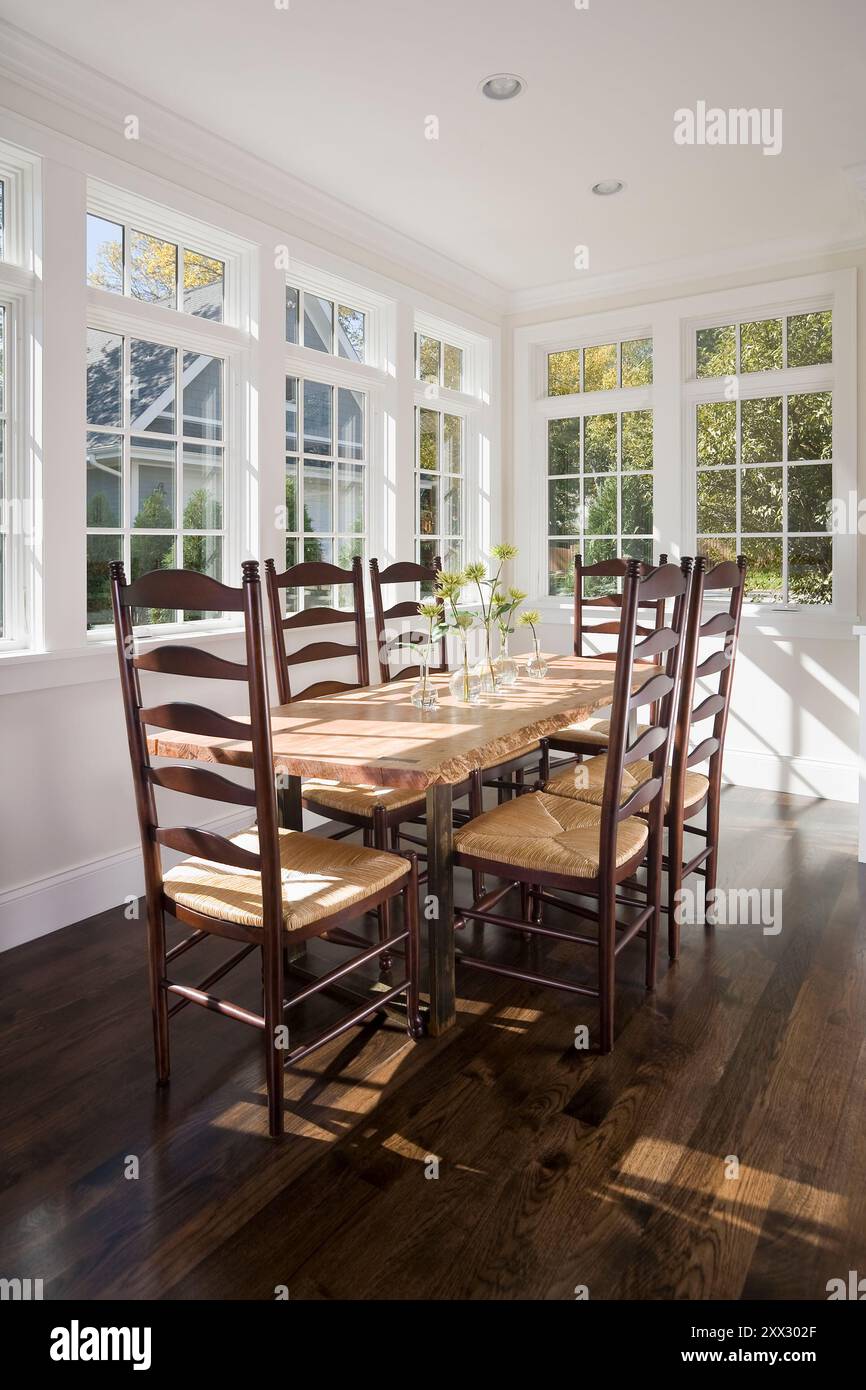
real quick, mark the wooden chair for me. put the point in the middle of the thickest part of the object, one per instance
(551, 845)
(378, 812)
(688, 792)
(403, 572)
(590, 735)
(265, 886)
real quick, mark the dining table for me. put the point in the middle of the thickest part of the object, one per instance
(375, 735)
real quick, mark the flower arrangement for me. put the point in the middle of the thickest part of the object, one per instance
(449, 590)
(424, 693)
(492, 602)
(536, 667)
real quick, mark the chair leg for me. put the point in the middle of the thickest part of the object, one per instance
(675, 883)
(654, 898)
(415, 1022)
(606, 963)
(476, 807)
(383, 912)
(158, 998)
(544, 762)
(395, 839)
(711, 863)
(272, 977)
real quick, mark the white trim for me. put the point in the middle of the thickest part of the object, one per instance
(801, 776)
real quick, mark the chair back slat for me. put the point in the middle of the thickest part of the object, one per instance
(193, 719)
(651, 690)
(198, 781)
(306, 574)
(718, 624)
(641, 797)
(190, 661)
(402, 572)
(204, 844)
(320, 688)
(319, 651)
(177, 589)
(716, 661)
(704, 750)
(707, 708)
(646, 743)
(173, 590)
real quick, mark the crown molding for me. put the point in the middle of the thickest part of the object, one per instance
(665, 275)
(86, 93)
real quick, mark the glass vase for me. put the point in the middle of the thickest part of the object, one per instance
(505, 666)
(536, 666)
(464, 684)
(423, 693)
(486, 668)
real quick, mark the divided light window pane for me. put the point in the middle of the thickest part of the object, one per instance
(318, 323)
(599, 492)
(808, 338)
(325, 483)
(155, 476)
(350, 333)
(600, 367)
(124, 259)
(439, 523)
(438, 363)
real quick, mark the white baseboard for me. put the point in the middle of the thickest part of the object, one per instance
(59, 900)
(801, 776)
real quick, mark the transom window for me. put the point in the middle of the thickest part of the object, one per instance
(439, 476)
(601, 367)
(125, 260)
(325, 325)
(326, 482)
(438, 363)
(599, 492)
(764, 345)
(155, 465)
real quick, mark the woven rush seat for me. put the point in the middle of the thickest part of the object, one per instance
(553, 834)
(320, 876)
(359, 799)
(589, 731)
(585, 782)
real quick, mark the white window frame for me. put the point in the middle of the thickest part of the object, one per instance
(671, 324)
(129, 210)
(230, 340)
(379, 332)
(20, 294)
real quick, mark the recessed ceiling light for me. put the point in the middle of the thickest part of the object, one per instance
(502, 86)
(608, 186)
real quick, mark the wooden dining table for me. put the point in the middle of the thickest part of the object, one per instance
(375, 735)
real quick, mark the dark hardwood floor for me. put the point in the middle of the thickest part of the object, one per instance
(556, 1168)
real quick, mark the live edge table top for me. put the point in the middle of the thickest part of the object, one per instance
(376, 735)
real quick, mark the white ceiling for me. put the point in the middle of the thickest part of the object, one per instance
(336, 92)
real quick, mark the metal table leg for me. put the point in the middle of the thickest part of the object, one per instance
(440, 907)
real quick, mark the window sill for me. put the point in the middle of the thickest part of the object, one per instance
(779, 623)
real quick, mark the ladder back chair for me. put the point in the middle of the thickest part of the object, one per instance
(265, 886)
(687, 791)
(403, 572)
(551, 845)
(590, 735)
(376, 811)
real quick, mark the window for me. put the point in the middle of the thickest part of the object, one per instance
(126, 260)
(438, 363)
(155, 462)
(764, 457)
(326, 481)
(599, 493)
(601, 367)
(325, 325)
(439, 475)
(2, 220)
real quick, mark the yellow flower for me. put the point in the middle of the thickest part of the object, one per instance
(476, 572)
(504, 551)
(429, 610)
(450, 583)
(529, 618)
(516, 595)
